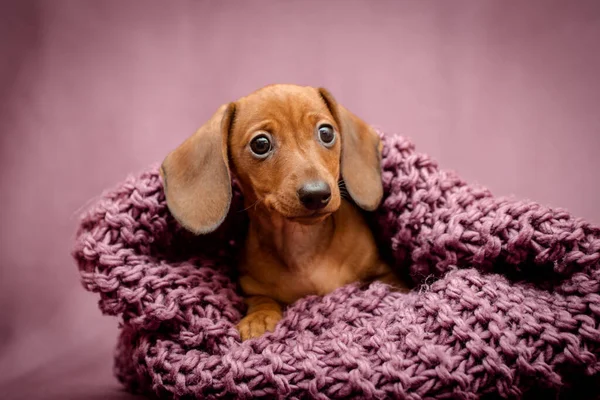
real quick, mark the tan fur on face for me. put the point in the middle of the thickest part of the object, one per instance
(290, 251)
(290, 114)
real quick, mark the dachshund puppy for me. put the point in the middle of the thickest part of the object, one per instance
(296, 153)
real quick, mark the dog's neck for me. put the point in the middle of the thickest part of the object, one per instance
(294, 243)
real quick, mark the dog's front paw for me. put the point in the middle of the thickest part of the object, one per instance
(255, 324)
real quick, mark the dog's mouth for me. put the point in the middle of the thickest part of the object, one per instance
(311, 218)
(297, 214)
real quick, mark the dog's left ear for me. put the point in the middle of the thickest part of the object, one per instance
(361, 155)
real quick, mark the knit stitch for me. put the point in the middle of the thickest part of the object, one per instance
(507, 300)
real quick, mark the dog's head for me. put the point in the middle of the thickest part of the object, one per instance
(288, 147)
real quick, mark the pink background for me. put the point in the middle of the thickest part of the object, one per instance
(505, 92)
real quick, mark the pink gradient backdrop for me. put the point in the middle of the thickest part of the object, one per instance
(505, 92)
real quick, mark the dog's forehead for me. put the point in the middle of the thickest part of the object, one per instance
(283, 103)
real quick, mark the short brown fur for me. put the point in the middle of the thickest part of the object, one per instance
(290, 251)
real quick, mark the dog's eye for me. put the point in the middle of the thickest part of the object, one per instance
(260, 145)
(327, 135)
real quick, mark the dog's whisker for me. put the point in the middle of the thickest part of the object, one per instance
(250, 206)
(343, 189)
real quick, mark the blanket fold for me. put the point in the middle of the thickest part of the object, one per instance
(507, 300)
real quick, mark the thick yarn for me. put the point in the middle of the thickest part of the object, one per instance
(507, 300)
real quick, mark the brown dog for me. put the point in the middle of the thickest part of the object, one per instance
(288, 146)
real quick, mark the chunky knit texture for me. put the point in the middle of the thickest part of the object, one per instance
(507, 300)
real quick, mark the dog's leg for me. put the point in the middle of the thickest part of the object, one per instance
(262, 316)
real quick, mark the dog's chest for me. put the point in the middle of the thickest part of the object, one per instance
(327, 275)
(317, 275)
(292, 261)
(310, 269)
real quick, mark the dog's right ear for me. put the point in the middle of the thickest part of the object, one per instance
(196, 175)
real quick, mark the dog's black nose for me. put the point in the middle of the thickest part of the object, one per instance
(315, 195)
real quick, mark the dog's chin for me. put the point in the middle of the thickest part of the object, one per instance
(311, 219)
(303, 216)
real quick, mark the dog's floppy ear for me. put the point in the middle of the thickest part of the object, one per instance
(196, 175)
(360, 160)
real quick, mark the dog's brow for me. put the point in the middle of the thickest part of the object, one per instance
(266, 125)
(318, 117)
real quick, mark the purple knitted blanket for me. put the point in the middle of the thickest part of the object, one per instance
(507, 300)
